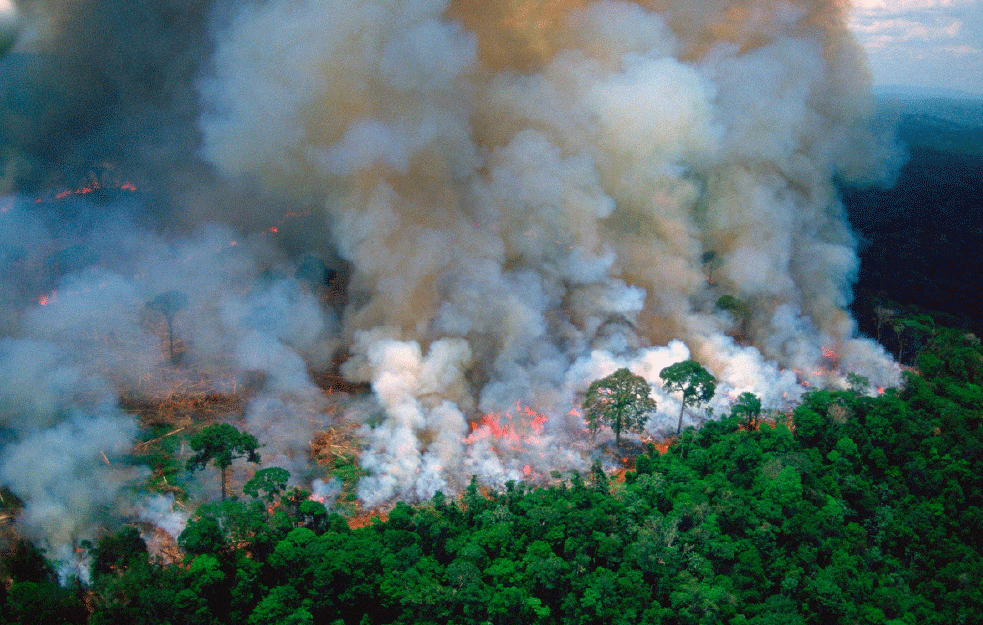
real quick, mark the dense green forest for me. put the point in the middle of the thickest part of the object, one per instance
(853, 509)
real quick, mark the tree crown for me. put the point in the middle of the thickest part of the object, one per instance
(621, 400)
(222, 443)
(689, 377)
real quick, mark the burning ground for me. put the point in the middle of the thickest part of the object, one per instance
(467, 208)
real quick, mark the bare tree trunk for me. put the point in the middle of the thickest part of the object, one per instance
(170, 337)
(679, 428)
(224, 469)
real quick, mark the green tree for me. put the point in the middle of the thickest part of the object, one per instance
(621, 400)
(711, 261)
(911, 330)
(695, 383)
(203, 534)
(739, 309)
(281, 605)
(270, 481)
(43, 603)
(26, 563)
(883, 316)
(221, 444)
(117, 552)
(748, 406)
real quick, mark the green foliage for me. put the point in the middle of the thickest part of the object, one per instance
(118, 552)
(203, 534)
(953, 354)
(621, 400)
(159, 445)
(911, 330)
(739, 309)
(348, 471)
(42, 603)
(267, 484)
(869, 510)
(857, 384)
(221, 444)
(26, 563)
(747, 407)
(689, 378)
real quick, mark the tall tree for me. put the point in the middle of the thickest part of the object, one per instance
(739, 309)
(168, 304)
(267, 484)
(695, 383)
(221, 444)
(621, 400)
(913, 330)
(748, 406)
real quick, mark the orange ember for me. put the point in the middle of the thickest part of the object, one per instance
(89, 188)
(366, 519)
(516, 429)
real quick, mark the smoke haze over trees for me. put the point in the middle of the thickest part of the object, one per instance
(508, 201)
(854, 509)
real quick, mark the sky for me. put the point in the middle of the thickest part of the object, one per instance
(917, 43)
(923, 43)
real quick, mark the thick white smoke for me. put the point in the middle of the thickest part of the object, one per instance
(528, 194)
(517, 198)
(247, 325)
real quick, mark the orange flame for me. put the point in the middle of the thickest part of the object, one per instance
(514, 429)
(89, 188)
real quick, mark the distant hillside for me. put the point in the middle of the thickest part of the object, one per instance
(921, 239)
(944, 124)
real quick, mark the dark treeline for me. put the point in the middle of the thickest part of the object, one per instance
(921, 238)
(854, 509)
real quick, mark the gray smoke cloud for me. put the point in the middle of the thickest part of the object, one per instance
(522, 197)
(100, 83)
(527, 193)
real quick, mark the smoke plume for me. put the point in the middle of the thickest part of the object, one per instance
(521, 197)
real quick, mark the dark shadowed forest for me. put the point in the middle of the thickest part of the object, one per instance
(920, 239)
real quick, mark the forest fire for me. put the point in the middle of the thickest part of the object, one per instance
(91, 187)
(511, 428)
(407, 298)
(411, 220)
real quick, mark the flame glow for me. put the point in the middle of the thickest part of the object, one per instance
(514, 429)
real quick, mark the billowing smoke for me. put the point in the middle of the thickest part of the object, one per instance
(522, 196)
(531, 189)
